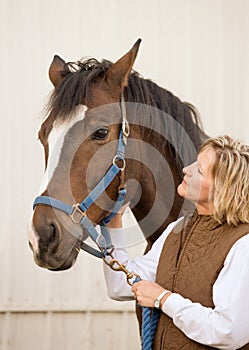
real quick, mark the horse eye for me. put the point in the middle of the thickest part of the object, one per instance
(100, 134)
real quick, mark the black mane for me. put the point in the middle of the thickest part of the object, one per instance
(80, 76)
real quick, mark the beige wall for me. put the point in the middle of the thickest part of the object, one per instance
(199, 49)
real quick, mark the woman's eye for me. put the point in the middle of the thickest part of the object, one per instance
(100, 134)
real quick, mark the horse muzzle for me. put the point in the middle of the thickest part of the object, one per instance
(54, 240)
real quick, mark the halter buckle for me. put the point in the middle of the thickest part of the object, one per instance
(77, 214)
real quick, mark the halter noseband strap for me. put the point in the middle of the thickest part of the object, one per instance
(78, 212)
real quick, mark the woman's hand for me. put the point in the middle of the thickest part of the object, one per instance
(146, 292)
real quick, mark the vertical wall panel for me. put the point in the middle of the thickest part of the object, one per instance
(197, 49)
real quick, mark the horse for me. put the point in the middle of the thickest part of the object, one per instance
(91, 102)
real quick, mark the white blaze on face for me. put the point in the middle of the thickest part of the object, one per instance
(55, 143)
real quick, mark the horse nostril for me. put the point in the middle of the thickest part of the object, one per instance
(49, 237)
(53, 236)
(53, 233)
(46, 231)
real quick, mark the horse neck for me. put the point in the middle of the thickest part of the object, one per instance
(159, 203)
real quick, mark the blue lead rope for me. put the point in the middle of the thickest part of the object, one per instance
(150, 317)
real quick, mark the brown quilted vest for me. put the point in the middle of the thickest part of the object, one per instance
(191, 260)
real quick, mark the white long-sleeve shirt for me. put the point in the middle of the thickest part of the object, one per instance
(226, 326)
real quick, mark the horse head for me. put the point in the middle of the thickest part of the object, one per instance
(85, 137)
(80, 137)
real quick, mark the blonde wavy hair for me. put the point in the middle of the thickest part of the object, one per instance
(230, 190)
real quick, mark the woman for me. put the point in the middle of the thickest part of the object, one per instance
(197, 272)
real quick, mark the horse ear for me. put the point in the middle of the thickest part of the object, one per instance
(119, 72)
(57, 70)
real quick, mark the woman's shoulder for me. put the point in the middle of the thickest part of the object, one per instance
(240, 248)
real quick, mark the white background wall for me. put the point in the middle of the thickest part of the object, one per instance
(198, 49)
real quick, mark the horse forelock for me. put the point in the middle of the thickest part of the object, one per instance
(75, 87)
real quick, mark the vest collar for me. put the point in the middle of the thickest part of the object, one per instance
(205, 222)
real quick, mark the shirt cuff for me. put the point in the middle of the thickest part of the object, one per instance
(172, 303)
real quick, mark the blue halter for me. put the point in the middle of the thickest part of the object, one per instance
(78, 211)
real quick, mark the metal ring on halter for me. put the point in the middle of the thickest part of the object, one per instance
(115, 159)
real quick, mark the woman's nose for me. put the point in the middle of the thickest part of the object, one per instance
(187, 169)
(184, 170)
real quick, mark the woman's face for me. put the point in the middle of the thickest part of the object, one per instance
(197, 181)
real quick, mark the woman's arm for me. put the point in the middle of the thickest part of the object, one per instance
(145, 266)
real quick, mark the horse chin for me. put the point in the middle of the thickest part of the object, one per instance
(52, 263)
(68, 263)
